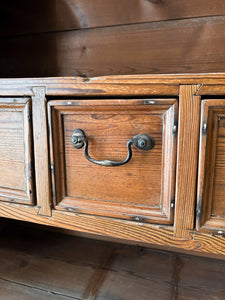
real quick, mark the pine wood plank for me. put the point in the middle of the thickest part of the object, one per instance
(41, 156)
(126, 85)
(187, 160)
(10, 290)
(133, 232)
(24, 18)
(180, 46)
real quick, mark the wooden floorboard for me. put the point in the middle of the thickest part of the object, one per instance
(38, 264)
(16, 291)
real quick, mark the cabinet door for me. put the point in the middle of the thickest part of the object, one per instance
(143, 188)
(211, 178)
(16, 184)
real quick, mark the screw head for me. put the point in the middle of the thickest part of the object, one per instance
(142, 143)
(74, 140)
(78, 138)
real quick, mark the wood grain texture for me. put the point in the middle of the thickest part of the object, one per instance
(134, 232)
(130, 231)
(11, 290)
(187, 159)
(24, 17)
(181, 46)
(143, 189)
(211, 90)
(68, 267)
(130, 85)
(211, 167)
(212, 79)
(16, 158)
(78, 87)
(41, 156)
(202, 185)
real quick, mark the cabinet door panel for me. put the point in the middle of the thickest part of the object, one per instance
(16, 183)
(211, 183)
(142, 189)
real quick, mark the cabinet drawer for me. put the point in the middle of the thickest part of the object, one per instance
(211, 179)
(16, 184)
(143, 188)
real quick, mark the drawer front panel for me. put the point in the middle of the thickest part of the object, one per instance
(211, 183)
(142, 189)
(16, 183)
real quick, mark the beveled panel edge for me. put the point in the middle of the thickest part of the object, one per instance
(169, 160)
(29, 155)
(13, 196)
(116, 211)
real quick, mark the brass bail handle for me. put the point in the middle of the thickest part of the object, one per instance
(140, 141)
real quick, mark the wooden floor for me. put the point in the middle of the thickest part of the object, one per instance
(37, 264)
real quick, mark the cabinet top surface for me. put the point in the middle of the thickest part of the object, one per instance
(174, 78)
(125, 85)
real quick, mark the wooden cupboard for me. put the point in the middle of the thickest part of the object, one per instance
(168, 132)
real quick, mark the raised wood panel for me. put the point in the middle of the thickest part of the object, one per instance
(24, 18)
(141, 190)
(181, 46)
(16, 179)
(211, 205)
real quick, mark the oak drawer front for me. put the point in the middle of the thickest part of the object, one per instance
(16, 184)
(143, 188)
(211, 179)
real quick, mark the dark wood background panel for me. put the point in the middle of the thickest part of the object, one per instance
(23, 17)
(160, 47)
(37, 264)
